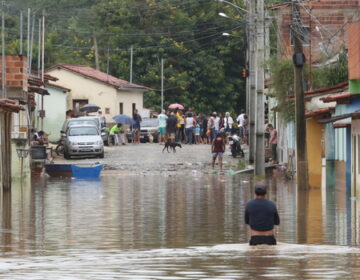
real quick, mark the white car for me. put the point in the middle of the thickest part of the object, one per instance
(83, 140)
(86, 120)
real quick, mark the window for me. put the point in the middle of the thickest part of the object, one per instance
(133, 108)
(78, 103)
(121, 108)
(107, 110)
(303, 33)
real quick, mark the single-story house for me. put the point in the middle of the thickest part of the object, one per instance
(90, 86)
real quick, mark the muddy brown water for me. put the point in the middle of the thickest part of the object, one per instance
(188, 226)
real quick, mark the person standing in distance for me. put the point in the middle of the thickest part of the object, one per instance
(261, 215)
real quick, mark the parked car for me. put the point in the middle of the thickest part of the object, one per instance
(83, 140)
(87, 120)
(149, 131)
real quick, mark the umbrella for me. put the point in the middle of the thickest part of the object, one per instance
(123, 119)
(90, 108)
(176, 105)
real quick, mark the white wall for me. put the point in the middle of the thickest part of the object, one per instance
(96, 92)
(55, 107)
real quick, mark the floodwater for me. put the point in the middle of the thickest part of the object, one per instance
(173, 227)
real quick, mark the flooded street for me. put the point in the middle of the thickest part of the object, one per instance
(186, 225)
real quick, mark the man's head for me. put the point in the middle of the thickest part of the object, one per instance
(100, 112)
(270, 126)
(260, 189)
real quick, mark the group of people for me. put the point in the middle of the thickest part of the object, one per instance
(117, 133)
(190, 128)
(37, 137)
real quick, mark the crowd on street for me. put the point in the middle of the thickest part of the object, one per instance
(192, 128)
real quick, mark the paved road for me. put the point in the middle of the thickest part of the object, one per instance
(150, 158)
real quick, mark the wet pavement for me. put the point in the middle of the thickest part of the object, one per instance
(150, 158)
(186, 224)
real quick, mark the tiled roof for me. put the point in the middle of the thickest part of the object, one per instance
(59, 87)
(9, 105)
(339, 97)
(328, 89)
(318, 112)
(101, 76)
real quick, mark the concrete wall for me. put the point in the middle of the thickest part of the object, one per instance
(105, 96)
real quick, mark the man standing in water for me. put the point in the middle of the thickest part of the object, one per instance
(261, 215)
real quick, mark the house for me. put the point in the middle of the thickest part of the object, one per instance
(326, 27)
(90, 86)
(11, 117)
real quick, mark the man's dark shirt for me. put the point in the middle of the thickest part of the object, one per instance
(261, 214)
(171, 124)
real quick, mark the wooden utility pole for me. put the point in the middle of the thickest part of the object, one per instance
(251, 78)
(299, 60)
(260, 61)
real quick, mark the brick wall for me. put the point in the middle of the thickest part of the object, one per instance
(354, 50)
(16, 71)
(327, 22)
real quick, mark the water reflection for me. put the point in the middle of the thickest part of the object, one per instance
(170, 227)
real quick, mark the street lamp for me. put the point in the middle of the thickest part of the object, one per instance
(223, 15)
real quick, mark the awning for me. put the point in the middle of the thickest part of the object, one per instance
(38, 90)
(340, 117)
(10, 105)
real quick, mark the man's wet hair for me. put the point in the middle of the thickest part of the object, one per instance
(260, 188)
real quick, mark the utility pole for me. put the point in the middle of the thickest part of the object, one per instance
(299, 60)
(131, 63)
(162, 84)
(260, 60)
(28, 35)
(31, 44)
(252, 78)
(97, 65)
(39, 47)
(21, 32)
(3, 76)
(42, 68)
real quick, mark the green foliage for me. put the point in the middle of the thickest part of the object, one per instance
(282, 80)
(282, 85)
(333, 74)
(202, 68)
